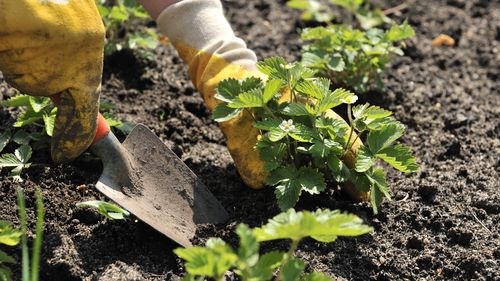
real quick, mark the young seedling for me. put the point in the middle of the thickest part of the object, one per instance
(108, 210)
(366, 12)
(8, 236)
(350, 57)
(30, 270)
(121, 30)
(217, 257)
(303, 143)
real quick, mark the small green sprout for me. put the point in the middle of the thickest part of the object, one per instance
(350, 57)
(217, 257)
(108, 210)
(301, 144)
(121, 31)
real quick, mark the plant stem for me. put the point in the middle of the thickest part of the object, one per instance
(289, 254)
(37, 245)
(21, 203)
(349, 116)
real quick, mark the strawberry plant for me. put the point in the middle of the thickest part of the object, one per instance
(350, 57)
(11, 237)
(217, 257)
(302, 143)
(108, 210)
(366, 12)
(122, 32)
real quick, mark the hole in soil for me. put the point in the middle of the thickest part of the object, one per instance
(127, 67)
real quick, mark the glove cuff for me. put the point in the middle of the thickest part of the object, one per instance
(201, 26)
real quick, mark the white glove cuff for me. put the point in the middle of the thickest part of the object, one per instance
(201, 25)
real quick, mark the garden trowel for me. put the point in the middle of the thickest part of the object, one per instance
(146, 178)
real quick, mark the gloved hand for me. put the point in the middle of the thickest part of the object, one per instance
(206, 42)
(50, 47)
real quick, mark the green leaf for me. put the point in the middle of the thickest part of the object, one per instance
(118, 13)
(108, 210)
(28, 117)
(321, 225)
(287, 194)
(252, 98)
(321, 149)
(271, 153)
(17, 101)
(266, 265)
(364, 160)
(292, 270)
(400, 157)
(311, 180)
(302, 133)
(339, 170)
(5, 139)
(17, 161)
(228, 89)
(379, 188)
(9, 235)
(248, 251)
(334, 99)
(213, 260)
(380, 139)
(400, 32)
(276, 135)
(4, 258)
(268, 124)
(274, 67)
(316, 276)
(49, 120)
(39, 103)
(336, 63)
(317, 88)
(295, 109)
(5, 273)
(224, 113)
(370, 112)
(271, 89)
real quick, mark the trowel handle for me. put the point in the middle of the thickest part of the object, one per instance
(102, 125)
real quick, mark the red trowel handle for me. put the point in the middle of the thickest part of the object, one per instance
(102, 125)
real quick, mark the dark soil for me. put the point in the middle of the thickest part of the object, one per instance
(443, 222)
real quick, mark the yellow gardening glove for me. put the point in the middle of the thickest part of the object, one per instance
(206, 42)
(50, 47)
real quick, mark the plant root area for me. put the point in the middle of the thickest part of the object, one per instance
(442, 223)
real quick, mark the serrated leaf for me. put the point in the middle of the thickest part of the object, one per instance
(380, 139)
(50, 119)
(321, 225)
(400, 157)
(292, 270)
(264, 268)
(248, 251)
(312, 60)
(28, 117)
(364, 160)
(39, 103)
(317, 88)
(274, 67)
(223, 113)
(8, 234)
(276, 135)
(252, 98)
(295, 109)
(5, 139)
(228, 89)
(271, 153)
(360, 181)
(334, 99)
(316, 276)
(17, 101)
(302, 133)
(336, 63)
(339, 170)
(311, 180)
(287, 194)
(108, 210)
(268, 124)
(379, 187)
(271, 89)
(400, 32)
(4, 258)
(213, 260)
